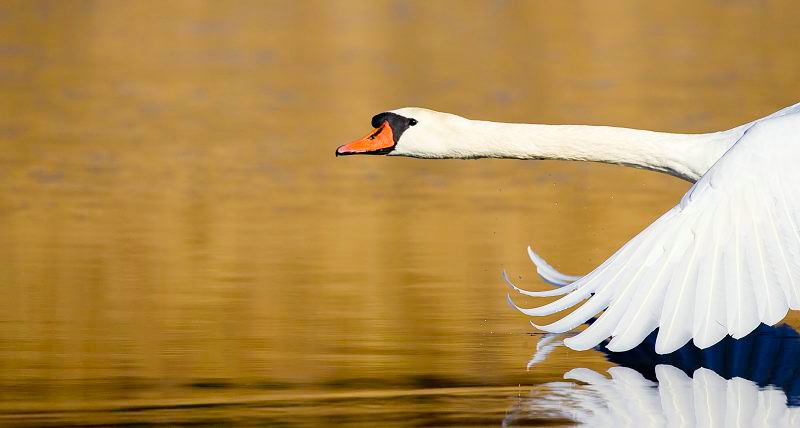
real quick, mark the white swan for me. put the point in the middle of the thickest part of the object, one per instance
(725, 259)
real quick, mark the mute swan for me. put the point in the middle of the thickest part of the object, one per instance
(722, 261)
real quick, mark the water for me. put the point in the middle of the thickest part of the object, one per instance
(180, 245)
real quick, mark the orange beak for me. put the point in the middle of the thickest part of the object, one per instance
(378, 142)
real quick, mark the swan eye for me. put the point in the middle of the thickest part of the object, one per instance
(412, 122)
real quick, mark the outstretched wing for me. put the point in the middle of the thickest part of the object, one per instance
(724, 260)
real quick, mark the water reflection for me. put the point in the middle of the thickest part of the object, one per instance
(753, 381)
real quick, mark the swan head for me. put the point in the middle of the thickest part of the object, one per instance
(409, 131)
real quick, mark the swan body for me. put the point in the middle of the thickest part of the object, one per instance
(722, 261)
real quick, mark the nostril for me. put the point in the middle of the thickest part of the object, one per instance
(375, 134)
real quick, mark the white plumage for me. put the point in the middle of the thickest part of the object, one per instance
(725, 259)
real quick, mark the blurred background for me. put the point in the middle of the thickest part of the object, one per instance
(180, 245)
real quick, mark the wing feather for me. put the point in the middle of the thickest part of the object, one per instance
(549, 273)
(676, 322)
(548, 293)
(644, 318)
(725, 259)
(709, 316)
(790, 239)
(772, 306)
(741, 315)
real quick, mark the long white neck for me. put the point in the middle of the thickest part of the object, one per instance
(687, 156)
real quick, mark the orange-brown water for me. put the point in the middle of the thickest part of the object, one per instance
(179, 244)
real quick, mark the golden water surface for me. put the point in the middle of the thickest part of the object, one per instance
(179, 244)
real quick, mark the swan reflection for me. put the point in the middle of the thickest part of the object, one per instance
(753, 381)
